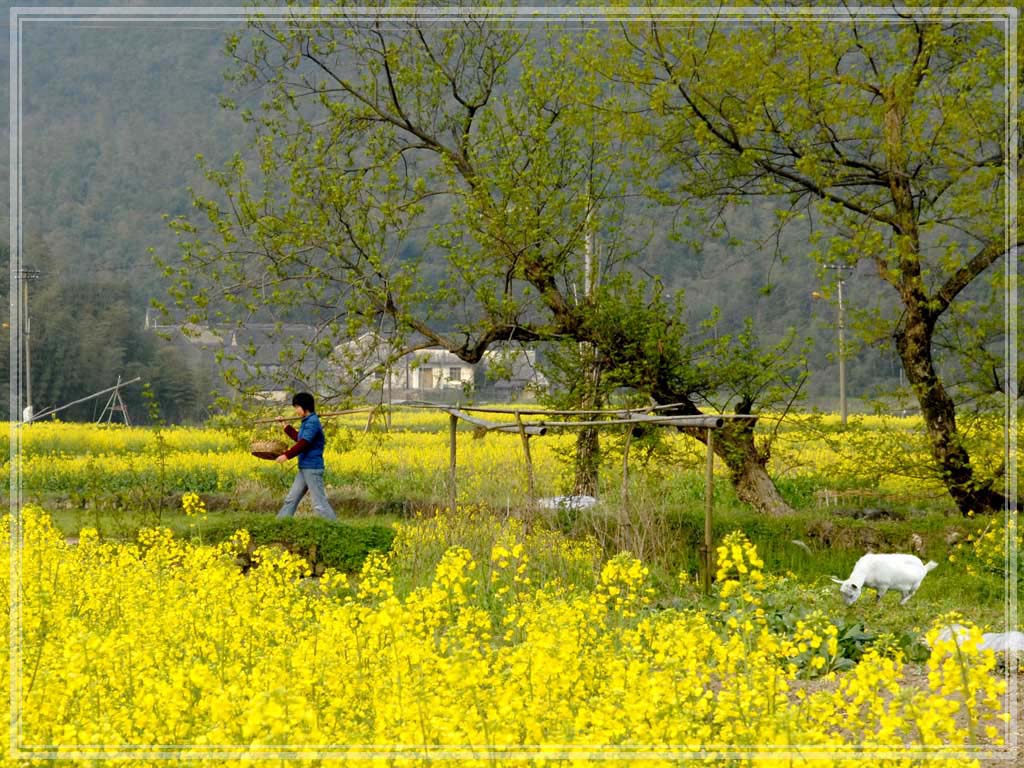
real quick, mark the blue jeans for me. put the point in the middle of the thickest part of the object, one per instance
(313, 481)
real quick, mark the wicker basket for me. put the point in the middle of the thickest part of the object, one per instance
(267, 449)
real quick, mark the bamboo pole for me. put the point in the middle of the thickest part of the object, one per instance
(697, 422)
(490, 426)
(321, 415)
(709, 493)
(530, 488)
(453, 422)
(537, 412)
(625, 467)
(50, 411)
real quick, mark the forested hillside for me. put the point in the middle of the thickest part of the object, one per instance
(113, 117)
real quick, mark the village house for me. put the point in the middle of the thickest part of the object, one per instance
(263, 352)
(432, 370)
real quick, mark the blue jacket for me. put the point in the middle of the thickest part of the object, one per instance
(310, 442)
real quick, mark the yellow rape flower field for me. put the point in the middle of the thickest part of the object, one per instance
(889, 455)
(162, 645)
(474, 637)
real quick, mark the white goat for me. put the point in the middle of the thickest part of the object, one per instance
(902, 573)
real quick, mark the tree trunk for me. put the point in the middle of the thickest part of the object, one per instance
(588, 441)
(588, 458)
(914, 338)
(747, 464)
(914, 343)
(734, 444)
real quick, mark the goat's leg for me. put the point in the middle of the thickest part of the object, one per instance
(907, 595)
(880, 591)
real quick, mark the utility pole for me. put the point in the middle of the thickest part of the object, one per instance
(842, 358)
(842, 341)
(26, 275)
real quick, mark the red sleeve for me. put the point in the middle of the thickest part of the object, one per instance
(291, 432)
(298, 448)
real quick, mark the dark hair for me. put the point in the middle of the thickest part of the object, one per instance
(305, 401)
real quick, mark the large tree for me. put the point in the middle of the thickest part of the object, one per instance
(893, 133)
(435, 181)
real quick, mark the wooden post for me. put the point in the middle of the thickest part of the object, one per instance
(453, 422)
(709, 493)
(531, 490)
(625, 467)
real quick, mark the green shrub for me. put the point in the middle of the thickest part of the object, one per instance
(333, 544)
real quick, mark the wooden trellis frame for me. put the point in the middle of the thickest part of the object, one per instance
(629, 418)
(624, 417)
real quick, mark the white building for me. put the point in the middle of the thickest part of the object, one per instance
(434, 369)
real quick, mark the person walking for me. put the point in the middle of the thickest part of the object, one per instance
(309, 447)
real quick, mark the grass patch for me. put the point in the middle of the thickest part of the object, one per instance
(326, 544)
(342, 545)
(668, 538)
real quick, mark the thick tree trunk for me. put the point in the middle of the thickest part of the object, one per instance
(734, 444)
(913, 342)
(588, 459)
(747, 464)
(588, 441)
(748, 468)
(914, 337)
